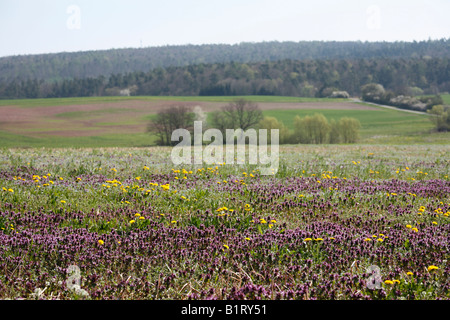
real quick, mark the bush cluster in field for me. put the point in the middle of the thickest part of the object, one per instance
(139, 228)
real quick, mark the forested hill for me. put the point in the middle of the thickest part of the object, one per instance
(304, 78)
(81, 65)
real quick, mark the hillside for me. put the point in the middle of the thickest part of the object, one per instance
(64, 65)
(301, 78)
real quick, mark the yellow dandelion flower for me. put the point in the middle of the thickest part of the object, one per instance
(308, 239)
(389, 282)
(101, 242)
(431, 268)
(409, 226)
(132, 221)
(415, 229)
(409, 273)
(226, 246)
(137, 215)
(63, 201)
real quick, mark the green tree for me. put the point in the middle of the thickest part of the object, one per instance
(349, 129)
(272, 123)
(335, 132)
(440, 116)
(311, 129)
(373, 92)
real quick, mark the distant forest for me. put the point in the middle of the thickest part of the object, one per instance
(307, 69)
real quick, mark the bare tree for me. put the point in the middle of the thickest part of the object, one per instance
(240, 113)
(169, 119)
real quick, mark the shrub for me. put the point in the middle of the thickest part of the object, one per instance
(317, 129)
(335, 131)
(440, 116)
(311, 129)
(349, 129)
(272, 123)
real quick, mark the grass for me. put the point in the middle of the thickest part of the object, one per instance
(446, 98)
(29, 103)
(9, 140)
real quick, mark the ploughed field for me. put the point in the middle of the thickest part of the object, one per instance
(334, 222)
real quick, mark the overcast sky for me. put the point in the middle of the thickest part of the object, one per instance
(46, 26)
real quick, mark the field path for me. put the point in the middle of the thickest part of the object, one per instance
(356, 100)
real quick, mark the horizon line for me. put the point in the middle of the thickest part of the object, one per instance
(222, 44)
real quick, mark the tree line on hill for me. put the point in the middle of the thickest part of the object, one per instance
(92, 64)
(302, 78)
(244, 114)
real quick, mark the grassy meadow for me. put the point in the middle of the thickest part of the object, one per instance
(133, 226)
(122, 121)
(89, 209)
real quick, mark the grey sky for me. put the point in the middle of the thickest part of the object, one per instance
(28, 27)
